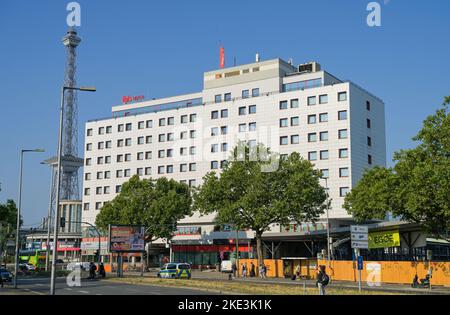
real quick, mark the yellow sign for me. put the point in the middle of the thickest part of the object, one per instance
(384, 239)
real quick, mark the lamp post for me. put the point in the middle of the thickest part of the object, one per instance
(16, 267)
(328, 220)
(58, 182)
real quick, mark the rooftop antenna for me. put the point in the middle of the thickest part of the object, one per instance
(291, 61)
(257, 57)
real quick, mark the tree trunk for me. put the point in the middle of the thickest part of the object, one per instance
(259, 249)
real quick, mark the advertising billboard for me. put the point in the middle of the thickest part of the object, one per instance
(126, 238)
(384, 239)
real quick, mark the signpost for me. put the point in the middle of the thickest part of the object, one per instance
(359, 239)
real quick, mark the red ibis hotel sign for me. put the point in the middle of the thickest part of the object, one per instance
(131, 99)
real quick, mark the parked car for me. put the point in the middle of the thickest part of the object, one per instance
(226, 266)
(6, 275)
(175, 271)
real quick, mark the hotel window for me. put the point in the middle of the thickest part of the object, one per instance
(161, 154)
(368, 105)
(183, 151)
(224, 147)
(312, 156)
(88, 161)
(171, 121)
(98, 205)
(148, 171)
(325, 173)
(128, 157)
(252, 109)
(214, 148)
(192, 183)
(343, 134)
(193, 134)
(369, 141)
(192, 167)
(87, 176)
(294, 103)
(224, 113)
(140, 156)
(192, 151)
(251, 143)
(342, 96)
(89, 132)
(99, 175)
(161, 169)
(295, 139)
(86, 206)
(148, 155)
(169, 169)
(107, 174)
(295, 121)
(119, 174)
(118, 189)
(87, 191)
(89, 147)
(127, 173)
(162, 137)
(283, 105)
(149, 139)
(242, 127)
(215, 114)
(245, 94)
(312, 137)
(227, 97)
(162, 122)
(109, 129)
(140, 140)
(323, 99)
(128, 127)
(140, 171)
(108, 144)
(242, 111)
(255, 92)
(343, 172)
(323, 117)
(119, 158)
(169, 152)
(223, 164)
(324, 155)
(106, 190)
(170, 137)
(214, 165)
(312, 119)
(183, 168)
(369, 159)
(183, 135)
(120, 143)
(120, 128)
(193, 118)
(343, 191)
(369, 124)
(343, 153)
(312, 100)
(214, 131)
(128, 142)
(284, 140)
(324, 136)
(141, 125)
(218, 98)
(149, 124)
(284, 123)
(101, 130)
(100, 160)
(101, 145)
(342, 115)
(252, 126)
(184, 119)
(224, 130)
(108, 159)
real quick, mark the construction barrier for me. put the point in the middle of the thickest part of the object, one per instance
(401, 272)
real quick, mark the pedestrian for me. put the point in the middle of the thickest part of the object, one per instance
(322, 280)
(101, 270)
(1, 281)
(234, 269)
(252, 270)
(92, 269)
(297, 271)
(244, 270)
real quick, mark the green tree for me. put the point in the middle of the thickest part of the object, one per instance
(155, 204)
(8, 222)
(249, 197)
(417, 188)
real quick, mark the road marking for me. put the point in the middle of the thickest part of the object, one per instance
(69, 289)
(85, 292)
(39, 284)
(38, 293)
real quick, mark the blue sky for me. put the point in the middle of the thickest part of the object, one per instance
(161, 48)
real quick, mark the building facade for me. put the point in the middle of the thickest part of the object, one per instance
(335, 124)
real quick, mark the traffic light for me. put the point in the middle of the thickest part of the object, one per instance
(62, 222)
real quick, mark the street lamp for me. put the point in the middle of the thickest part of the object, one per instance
(328, 220)
(18, 211)
(58, 182)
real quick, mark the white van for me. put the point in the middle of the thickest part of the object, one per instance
(226, 266)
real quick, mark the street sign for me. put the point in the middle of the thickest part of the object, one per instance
(360, 244)
(360, 263)
(359, 236)
(359, 229)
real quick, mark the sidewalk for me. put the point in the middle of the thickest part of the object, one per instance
(395, 288)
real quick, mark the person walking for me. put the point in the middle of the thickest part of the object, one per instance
(92, 269)
(101, 270)
(244, 270)
(234, 269)
(322, 280)
(252, 270)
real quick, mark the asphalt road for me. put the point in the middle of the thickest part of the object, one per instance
(41, 286)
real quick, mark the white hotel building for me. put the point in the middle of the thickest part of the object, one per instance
(336, 124)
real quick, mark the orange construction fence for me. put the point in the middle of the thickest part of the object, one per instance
(389, 271)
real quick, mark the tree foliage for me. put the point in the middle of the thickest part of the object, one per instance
(417, 188)
(8, 221)
(248, 197)
(155, 204)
